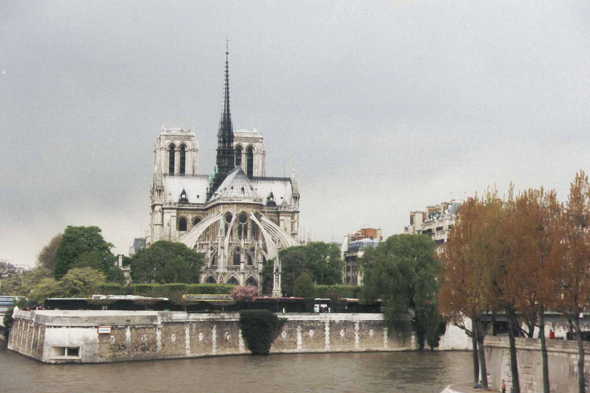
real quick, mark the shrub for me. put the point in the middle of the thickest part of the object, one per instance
(259, 329)
(110, 288)
(344, 291)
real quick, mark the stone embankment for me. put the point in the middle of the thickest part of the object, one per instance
(466, 387)
(562, 358)
(111, 336)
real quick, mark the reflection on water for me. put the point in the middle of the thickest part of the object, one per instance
(407, 372)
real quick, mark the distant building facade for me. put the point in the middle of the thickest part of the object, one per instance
(138, 244)
(353, 248)
(436, 221)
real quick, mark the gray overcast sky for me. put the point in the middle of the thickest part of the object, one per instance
(382, 107)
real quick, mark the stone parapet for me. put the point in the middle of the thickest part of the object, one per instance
(562, 361)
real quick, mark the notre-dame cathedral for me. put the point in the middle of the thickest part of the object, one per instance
(237, 216)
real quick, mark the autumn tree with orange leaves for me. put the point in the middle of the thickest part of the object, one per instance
(575, 267)
(461, 298)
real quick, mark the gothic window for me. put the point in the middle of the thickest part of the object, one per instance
(254, 232)
(182, 224)
(233, 281)
(171, 159)
(228, 218)
(250, 162)
(196, 221)
(238, 155)
(211, 280)
(237, 256)
(250, 260)
(252, 281)
(243, 228)
(182, 159)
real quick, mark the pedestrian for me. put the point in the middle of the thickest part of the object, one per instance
(503, 386)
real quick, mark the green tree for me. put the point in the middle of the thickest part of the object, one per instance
(116, 275)
(267, 276)
(292, 265)
(402, 273)
(80, 282)
(166, 262)
(44, 289)
(91, 259)
(321, 260)
(46, 257)
(22, 284)
(304, 286)
(76, 242)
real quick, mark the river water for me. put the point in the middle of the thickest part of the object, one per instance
(408, 372)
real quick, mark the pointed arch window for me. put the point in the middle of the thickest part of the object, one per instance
(250, 162)
(182, 159)
(238, 155)
(243, 228)
(171, 158)
(252, 281)
(237, 254)
(196, 221)
(182, 225)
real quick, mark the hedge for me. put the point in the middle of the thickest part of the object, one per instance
(259, 329)
(342, 291)
(164, 290)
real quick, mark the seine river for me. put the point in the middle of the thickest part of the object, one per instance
(407, 372)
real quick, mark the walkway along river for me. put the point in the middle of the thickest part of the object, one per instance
(407, 372)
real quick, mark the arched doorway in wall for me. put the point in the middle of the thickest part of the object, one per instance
(233, 281)
(250, 162)
(171, 158)
(252, 281)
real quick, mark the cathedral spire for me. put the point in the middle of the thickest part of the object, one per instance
(226, 116)
(225, 135)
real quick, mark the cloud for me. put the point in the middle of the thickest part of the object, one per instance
(381, 107)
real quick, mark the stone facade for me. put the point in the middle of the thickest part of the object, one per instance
(436, 221)
(110, 336)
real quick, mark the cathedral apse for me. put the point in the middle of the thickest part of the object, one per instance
(237, 216)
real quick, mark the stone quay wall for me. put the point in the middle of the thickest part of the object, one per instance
(562, 359)
(111, 336)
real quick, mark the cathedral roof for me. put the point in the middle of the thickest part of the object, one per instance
(281, 187)
(236, 186)
(195, 187)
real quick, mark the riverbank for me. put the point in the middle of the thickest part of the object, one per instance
(115, 336)
(466, 387)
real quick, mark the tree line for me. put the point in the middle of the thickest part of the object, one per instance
(521, 256)
(78, 262)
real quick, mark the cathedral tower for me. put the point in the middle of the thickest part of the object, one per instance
(225, 137)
